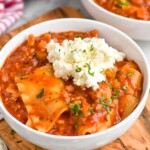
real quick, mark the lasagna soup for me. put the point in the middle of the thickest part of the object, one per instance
(69, 83)
(137, 9)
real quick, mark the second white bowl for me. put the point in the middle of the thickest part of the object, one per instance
(136, 29)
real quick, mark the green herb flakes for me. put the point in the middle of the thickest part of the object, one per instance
(113, 97)
(41, 94)
(114, 77)
(73, 50)
(124, 87)
(92, 48)
(84, 50)
(105, 105)
(102, 70)
(79, 36)
(102, 99)
(91, 110)
(129, 74)
(117, 92)
(81, 114)
(124, 3)
(78, 69)
(89, 69)
(76, 125)
(110, 85)
(75, 108)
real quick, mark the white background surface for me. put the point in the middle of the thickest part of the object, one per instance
(35, 8)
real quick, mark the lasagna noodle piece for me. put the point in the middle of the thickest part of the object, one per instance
(92, 128)
(109, 120)
(41, 94)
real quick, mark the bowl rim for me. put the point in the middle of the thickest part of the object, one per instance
(101, 133)
(116, 15)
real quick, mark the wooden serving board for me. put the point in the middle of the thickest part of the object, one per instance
(136, 138)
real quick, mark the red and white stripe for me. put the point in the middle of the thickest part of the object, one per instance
(10, 12)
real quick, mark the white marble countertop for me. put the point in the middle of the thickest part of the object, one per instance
(34, 8)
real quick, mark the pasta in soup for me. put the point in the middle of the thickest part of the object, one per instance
(69, 83)
(136, 9)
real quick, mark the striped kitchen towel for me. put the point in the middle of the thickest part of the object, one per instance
(10, 12)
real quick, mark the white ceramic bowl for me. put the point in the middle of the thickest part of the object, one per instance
(136, 29)
(116, 39)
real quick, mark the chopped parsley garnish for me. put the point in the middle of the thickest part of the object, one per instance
(107, 108)
(91, 110)
(79, 36)
(73, 50)
(76, 125)
(113, 97)
(41, 94)
(129, 74)
(123, 3)
(92, 48)
(104, 105)
(124, 87)
(110, 85)
(117, 92)
(102, 98)
(84, 50)
(114, 77)
(78, 69)
(89, 69)
(75, 108)
(81, 115)
(102, 70)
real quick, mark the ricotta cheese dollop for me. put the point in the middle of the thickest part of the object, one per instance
(85, 60)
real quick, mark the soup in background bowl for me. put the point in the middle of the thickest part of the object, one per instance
(48, 105)
(119, 17)
(127, 8)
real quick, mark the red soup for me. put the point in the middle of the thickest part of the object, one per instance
(34, 96)
(137, 9)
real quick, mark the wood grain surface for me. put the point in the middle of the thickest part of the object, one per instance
(136, 138)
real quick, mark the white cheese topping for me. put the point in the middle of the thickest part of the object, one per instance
(85, 60)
